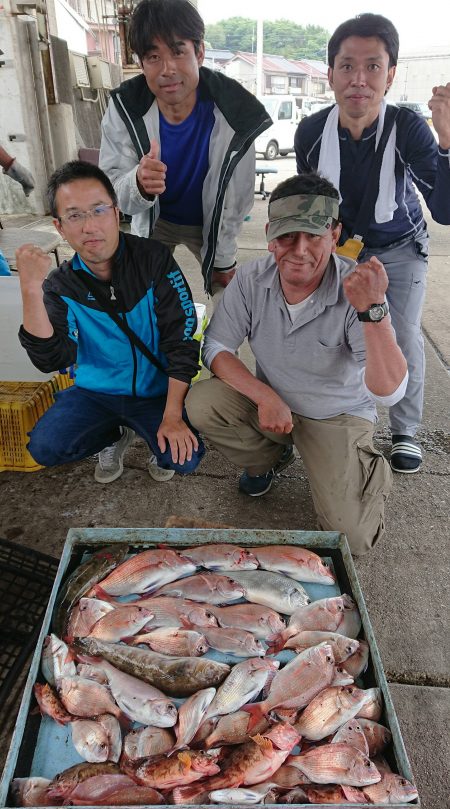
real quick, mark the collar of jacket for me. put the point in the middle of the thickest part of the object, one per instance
(240, 108)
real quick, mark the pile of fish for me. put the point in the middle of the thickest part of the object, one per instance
(135, 668)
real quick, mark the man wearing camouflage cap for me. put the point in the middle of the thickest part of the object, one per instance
(325, 351)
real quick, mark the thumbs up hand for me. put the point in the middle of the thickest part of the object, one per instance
(151, 173)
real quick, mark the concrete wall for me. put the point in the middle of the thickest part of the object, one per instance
(19, 120)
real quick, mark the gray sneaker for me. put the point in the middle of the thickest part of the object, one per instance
(110, 459)
(157, 472)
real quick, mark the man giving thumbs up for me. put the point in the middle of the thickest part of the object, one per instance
(177, 141)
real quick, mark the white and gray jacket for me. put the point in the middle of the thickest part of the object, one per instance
(132, 120)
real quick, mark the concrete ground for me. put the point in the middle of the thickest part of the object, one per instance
(405, 580)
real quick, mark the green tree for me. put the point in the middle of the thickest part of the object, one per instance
(282, 37)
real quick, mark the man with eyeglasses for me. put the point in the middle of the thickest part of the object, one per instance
(118, 390)
(178, 141)
(325, 351)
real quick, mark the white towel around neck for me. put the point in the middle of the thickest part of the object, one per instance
(330, 162)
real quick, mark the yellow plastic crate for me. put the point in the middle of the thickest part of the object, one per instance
(21, 405)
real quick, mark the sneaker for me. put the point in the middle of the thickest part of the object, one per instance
(257, 485)
(157, 472)
(110, 459)
(406, 455)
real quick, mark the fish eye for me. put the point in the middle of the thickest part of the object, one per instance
(403, 782)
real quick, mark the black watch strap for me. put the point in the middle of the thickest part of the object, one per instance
(375, 313)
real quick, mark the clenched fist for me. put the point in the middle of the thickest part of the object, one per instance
(151, 173)
(366, 285)
(33, 266)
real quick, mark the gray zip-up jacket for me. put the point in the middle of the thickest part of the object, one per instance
(130, 123)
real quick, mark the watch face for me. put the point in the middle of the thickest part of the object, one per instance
(376, 312)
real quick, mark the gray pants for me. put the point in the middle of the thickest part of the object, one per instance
(406, 267)
(192, 237)
(349, 479)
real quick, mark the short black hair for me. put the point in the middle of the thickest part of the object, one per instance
(166, 20)
(308, 182)
(77, 170)
(366, 25)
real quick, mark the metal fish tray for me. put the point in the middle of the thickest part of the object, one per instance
(40, 747)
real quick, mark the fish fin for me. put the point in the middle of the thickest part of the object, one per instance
(256, 711)
(263, 742)
(185, 758)
(187, 624)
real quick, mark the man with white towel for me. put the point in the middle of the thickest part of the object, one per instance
(340, 142)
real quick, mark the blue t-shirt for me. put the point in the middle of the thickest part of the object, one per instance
(184, 150)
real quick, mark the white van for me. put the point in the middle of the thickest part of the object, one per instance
(279, 138)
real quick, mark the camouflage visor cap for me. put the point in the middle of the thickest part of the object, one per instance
(301, 212)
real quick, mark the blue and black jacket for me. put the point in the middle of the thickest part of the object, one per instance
(149, 291)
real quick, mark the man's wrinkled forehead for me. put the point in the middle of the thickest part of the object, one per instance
(310, 213)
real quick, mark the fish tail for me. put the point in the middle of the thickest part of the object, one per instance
(98, 592)
(257, 712)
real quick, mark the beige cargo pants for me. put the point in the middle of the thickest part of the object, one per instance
(349, 479)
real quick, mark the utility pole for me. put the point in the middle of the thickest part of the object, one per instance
(259, 57)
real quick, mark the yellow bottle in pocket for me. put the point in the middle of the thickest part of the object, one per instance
(351, 248)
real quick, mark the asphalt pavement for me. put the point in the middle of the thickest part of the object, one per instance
(405, 580)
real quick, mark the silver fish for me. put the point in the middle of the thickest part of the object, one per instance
(191, 715)
(272, 590)
(56, 661)
(245, 795)
(243, 684)
(139, 701)
(174, 676)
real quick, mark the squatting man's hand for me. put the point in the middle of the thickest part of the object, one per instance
(33, 265)
(182, 440)
(367, 284)
(274, 415)
(151, 173)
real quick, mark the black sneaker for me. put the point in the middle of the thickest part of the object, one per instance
(257, 485)
(406, 455)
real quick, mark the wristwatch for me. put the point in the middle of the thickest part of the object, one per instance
(375, 313)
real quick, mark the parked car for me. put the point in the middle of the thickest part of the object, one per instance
(279, 138)
(417, 106)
